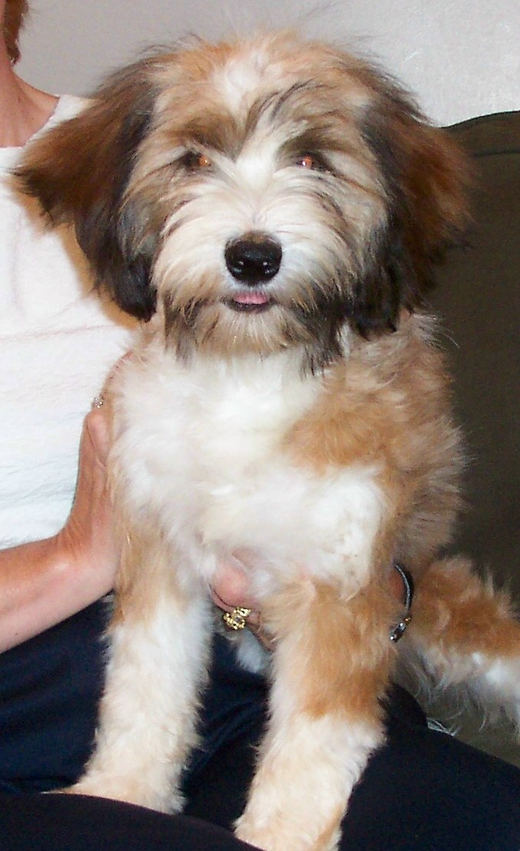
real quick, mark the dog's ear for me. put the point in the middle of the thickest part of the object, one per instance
(425, 178)
(79, 172)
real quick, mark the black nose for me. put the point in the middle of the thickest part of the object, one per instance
(253, 260)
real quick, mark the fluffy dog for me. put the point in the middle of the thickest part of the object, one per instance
(271, 209)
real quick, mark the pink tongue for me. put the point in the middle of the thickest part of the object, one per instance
(251, 298)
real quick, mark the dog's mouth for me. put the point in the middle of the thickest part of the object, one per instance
(250, 301)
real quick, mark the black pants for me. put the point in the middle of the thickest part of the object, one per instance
(423, 790)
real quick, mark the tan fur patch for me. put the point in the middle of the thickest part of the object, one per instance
(462, 614)
(388, 406)
(146, 573)
(338, 649)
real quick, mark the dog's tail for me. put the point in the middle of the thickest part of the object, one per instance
(464, 640)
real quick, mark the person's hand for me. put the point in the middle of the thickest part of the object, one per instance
(231, 590)
(43, 582)
(87, 539)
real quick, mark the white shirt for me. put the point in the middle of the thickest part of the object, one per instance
(58, 341)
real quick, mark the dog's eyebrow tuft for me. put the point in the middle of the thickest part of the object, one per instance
(294, 92)
(273, 103)
(217, 131)
(313, 140)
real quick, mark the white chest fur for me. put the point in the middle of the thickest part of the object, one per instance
(201, 447)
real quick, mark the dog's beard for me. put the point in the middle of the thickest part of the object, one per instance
(306, 310)
(214, 326)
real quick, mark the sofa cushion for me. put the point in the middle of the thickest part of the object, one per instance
(478, 299)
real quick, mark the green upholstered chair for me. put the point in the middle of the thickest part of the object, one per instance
(478, 299)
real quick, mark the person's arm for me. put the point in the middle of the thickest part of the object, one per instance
(44, 582)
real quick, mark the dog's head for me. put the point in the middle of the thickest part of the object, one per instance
(254, 196)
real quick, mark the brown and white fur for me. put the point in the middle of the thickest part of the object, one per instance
(271, 210)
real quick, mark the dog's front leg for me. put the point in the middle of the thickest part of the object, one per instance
(160, 640)
(331, 665)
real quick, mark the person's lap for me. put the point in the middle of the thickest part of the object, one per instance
(49, 689)
(422, 790)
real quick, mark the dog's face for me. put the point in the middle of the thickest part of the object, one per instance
(254, 196)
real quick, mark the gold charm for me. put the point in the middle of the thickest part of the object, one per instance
(236, 619)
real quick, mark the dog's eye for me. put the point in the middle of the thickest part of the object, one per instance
(306, 161)
(194, 161)
(311, 162)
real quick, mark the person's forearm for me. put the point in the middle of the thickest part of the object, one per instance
(40, 585)
(44, 582)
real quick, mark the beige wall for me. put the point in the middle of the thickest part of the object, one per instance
(461, 57)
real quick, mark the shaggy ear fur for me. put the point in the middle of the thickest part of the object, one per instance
(425, 177)
(79, 172)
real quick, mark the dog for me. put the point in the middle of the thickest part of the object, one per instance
(271, 210)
